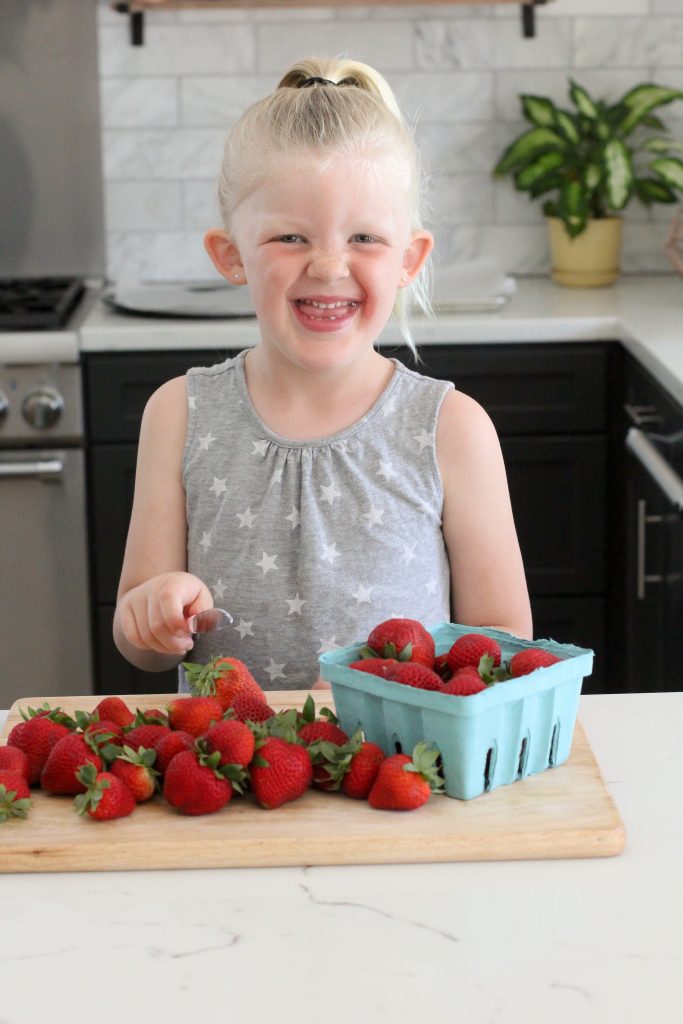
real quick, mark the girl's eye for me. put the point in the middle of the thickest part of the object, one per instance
(289, 238)
(364, 238)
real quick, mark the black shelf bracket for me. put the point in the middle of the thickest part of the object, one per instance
(528, 11)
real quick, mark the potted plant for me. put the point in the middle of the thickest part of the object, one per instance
(593, 160)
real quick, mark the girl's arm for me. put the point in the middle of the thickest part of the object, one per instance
(156, 594)
(487, 575)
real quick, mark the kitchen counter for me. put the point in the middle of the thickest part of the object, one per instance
(645, 312)
(514, 942)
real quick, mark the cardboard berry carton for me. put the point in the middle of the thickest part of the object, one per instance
(512, 729)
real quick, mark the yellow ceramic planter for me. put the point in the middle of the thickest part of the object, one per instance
(591, 260)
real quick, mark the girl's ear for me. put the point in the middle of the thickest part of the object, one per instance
(415, 256)
(224, 255)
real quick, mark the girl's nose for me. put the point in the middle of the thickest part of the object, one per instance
(328, 267)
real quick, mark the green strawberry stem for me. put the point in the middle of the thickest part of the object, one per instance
(10, 807)
(425, 761)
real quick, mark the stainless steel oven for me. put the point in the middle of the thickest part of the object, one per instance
(45, 628)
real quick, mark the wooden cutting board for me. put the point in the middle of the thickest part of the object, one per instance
(563, 812)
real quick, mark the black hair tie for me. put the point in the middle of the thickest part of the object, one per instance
(308, 82)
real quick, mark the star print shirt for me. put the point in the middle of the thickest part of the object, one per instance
(310, 544)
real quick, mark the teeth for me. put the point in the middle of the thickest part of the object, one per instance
(330, 305)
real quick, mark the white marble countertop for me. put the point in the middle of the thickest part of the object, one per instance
(591, 941)
(645, 312)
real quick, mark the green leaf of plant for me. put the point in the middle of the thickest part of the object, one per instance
(527, 147)
(618, 174)
(582, 101)
(573, 207)
(660, 144)
(567, 126)
(642, 99)
(670, 169)
(528, 176)
(539, 110)
(649, 190)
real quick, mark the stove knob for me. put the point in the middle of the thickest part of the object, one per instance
(42, 408)
(4, 405)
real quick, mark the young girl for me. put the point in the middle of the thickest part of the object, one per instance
(310, 485)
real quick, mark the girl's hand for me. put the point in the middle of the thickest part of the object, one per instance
(154, 615)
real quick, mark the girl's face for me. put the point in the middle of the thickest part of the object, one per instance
(324, 248)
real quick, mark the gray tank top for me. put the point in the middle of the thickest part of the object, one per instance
(310, 544)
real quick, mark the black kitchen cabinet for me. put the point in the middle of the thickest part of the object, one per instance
(551, 406)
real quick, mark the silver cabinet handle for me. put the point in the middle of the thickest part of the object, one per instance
(640, 414)
(37, 467)
(642, 575)
(666, 478)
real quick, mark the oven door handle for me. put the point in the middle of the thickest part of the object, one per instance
(41, 468)
(666, 478)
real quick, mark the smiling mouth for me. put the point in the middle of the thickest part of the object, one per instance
(314, 310)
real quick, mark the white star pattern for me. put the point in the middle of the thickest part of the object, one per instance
(389, 406)
(260, 447)
(430, 586)
(386, 470)
(219, 589)
(294, 518)
(267, 563)
(329, 553)
(329, 492)
(362, 594)
(328, 645)
(408, 553)
(219, 486)
(205, 542)
(423, 439)
(206, 442)
(246, 518)
(192, 402)
(244, 629)
(276, 478)
(295, 604)
(275, 671)
(374, 516)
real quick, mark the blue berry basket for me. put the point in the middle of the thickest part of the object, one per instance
(513, 729)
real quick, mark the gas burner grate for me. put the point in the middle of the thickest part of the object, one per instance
(38, 304)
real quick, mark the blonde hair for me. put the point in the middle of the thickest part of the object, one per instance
(352, 111)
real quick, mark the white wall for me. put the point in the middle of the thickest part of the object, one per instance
(167, 105)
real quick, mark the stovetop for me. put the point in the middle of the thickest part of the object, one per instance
(38, 304)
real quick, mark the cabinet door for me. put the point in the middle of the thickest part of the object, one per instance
(113, 674)
(575, 620)
(112, 482)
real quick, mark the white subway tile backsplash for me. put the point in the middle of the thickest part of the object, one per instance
(444, 96)
(143, 205)
(170, 155)
(387, 45)
(178, 50)
(464, 148)
(159, 256)
(220, 101)
(628, 42)
(607, 85)
(139, 102)
(492, 44)
(459, 199)
(200, 209)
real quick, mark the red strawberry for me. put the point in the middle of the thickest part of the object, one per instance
(104, 796)
(105, 732)
(404, 639)
(136, 769)
(170, 745)
(412, 673)
(36, 737)
(374, 666)
(14, 795)
(68, 755)
(470, 648)
(441, 666)
(233, 740)
(322, 729)
(465, 682)
(280, 772)
(354, 766)
(146, 736)
(404, 783)
(114, 709)
(248, 707)
(194, 784)
(14, 760)
(194, 714)
(222, 677)
(152, 716)
(529, 659)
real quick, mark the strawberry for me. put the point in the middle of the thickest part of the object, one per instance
(529, 659)
(36, 737)
(280, 772)
(14, 760)
(404, 783)
(233, 740)
(114, 709)
(104, 732)
(14, 795)
(441, 666)
(375, 666)
(248, 707)
(353, 767)
(104, 796)
(146, 736)
(223, 678)
(322, 729)
(194, 714)
(194, 784)
(404, 639)
(151, 716)
(412, 673)
(469, 649)
(68, 755)
(465, 682)
(170, 745)
(135, 768)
